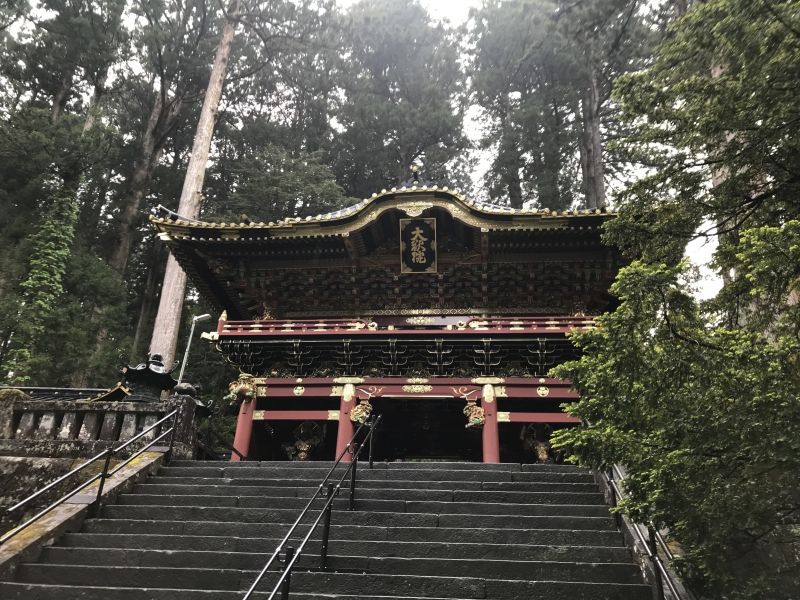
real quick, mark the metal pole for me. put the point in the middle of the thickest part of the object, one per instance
(96, 505)
(186, 352)
(654, 559)
(353, 467)
(195, 321)
(288, 579)
(326, 528)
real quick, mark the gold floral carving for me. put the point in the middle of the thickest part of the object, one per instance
(419, 320)
(417, 389)
(337, 390)
(543, 390)
(416, 380)
(503, 417)
(333, 415)
(500, 391)
(299, 390)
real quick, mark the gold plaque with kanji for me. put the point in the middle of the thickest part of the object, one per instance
(418, 245)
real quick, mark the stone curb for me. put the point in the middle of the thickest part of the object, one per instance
(69, 516)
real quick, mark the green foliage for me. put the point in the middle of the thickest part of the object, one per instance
(718, 102)
(700, 401)
(402, 97)
(532, 68)
(706, 420)
(271, 183)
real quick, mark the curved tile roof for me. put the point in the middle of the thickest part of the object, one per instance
(477, 208)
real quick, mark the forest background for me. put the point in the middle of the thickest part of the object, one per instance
(322, 106)
(681, 115)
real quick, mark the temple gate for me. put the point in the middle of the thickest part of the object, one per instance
(442, 314)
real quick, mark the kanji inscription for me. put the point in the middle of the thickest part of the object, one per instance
(418, 245)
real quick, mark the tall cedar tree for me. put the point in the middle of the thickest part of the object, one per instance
(701, 401)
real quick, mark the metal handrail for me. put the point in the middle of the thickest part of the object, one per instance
(227, 444)
(292, 555)
(650, 544)
(106, 456)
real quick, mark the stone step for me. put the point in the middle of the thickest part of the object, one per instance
(544, 497)
(342, 503)
(352, 547)
(426, 466)
(379, 474)
(386, 519)
(539, 589)
(523, 486)
(429, 566)
(314, 582)
(475, 534)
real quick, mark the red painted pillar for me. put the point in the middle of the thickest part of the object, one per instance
(491, 433)
(244, 430)
(346, 428)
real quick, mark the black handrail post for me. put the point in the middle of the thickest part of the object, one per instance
(614, 499)
(654, 559)
(326, 528)
(353, 478)
(371, 439)
(287, 580)
(168, 457)
(94, 509)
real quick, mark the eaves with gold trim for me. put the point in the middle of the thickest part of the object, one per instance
(348, 261)
(411, 201)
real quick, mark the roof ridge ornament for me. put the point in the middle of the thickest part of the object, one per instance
(416, 178)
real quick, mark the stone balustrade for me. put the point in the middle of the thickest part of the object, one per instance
(70, 429)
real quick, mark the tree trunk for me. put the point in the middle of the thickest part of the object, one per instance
(165, 330)
(594, 185)
(60, 97)
(140, 179)
(681, 7)
(147, 310)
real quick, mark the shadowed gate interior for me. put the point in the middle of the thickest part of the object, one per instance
(424, 428)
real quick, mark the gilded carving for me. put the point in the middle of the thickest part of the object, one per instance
(337, 390)
(417, 389)
(241, 390)
(299, 390)
(361, 412)
(543, 391)
(500, 391)
(416, 380)
(476, 416)
(419, 320)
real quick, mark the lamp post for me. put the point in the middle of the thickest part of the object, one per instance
(195, 321)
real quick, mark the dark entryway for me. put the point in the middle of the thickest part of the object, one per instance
(420, 428)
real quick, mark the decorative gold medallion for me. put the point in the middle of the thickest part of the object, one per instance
(416, 380)
(500, 391)
(543, 390)
(337, 390)
(417, 389)
(299, 390)
(419, 320)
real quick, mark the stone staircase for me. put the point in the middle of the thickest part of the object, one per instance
(202, 530)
